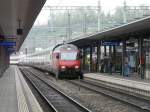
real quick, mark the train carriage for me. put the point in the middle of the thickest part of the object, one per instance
(63, 60)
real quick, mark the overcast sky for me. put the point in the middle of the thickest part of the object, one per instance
(104, 3)
(107, 5)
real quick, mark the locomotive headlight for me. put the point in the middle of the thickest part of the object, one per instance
(76, 67)
(63, 67)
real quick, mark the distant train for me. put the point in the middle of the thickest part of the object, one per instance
(64, 60)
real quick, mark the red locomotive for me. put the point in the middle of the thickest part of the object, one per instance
(66, 61)
(63, 60)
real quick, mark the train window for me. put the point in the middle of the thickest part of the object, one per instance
(68, 55)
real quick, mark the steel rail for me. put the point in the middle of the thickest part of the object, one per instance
(107, 92)
(38, 90)
(52, 85)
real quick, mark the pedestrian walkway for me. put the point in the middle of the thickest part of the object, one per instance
(8, 94)
(126, 83)
(133, 76)
(15, 95)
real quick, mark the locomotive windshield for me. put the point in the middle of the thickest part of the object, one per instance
(69, 56)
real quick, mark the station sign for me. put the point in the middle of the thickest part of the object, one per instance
(7, 44)
(111, 43)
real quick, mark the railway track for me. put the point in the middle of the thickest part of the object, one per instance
(91, 85)
(142, 104)
(57, 100)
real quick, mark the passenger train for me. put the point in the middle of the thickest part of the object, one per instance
(64, 60)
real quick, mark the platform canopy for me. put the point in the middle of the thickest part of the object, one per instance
(13, 12)
(136, 29)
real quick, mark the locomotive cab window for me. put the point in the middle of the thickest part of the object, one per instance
(69, 56)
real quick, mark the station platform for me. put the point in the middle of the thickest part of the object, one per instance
(130, 84)
(15, 94)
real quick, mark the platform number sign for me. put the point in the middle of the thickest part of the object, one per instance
(111, 43)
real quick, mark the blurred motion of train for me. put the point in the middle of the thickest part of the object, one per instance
(63, 60)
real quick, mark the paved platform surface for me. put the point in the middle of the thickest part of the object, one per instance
(8, 94)
(15, 95)
(132, 82)
(133, 76)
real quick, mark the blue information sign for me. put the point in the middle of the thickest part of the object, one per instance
(110, 43)
(7, 44)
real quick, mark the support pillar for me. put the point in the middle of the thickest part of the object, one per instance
(105, 54)
(3, 60)
(141, 58)
(110, 60)
(0, 60)
(84, 55)
(98, 57)
(114, 57)
(91, 59)
(110, 51)
(123, 55)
